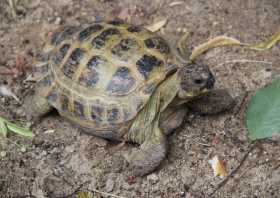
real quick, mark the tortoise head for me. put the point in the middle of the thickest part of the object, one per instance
(195, 79)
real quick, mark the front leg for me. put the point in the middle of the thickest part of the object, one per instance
(172, 118)
(216, 101)
(152, 151)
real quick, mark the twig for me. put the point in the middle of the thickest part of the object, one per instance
(104, 193)
(222, 183)
(256, 165)
(243, 61)
(12, 5)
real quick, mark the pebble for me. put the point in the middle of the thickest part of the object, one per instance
(109, 185)
(153, 178)
(57, 21)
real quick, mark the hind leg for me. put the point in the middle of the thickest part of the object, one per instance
(36, 107)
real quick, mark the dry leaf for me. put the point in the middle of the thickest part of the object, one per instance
(268, 43)
(49, 131)
(157, 25)
(215, 42)
(224, 40)
(175, 3)
(218, 166)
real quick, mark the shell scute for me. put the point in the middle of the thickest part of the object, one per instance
(97, 113)
(79, 109)
(147, 63)
(122, 82)
(72, 64)
(125, 48)
(65, 103)
(101, 40)
(95, 61)
(157, 43)
(60, 54)
(113, 114)
(89, 77)
(88, 31)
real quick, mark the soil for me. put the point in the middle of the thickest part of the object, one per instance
(61, 161)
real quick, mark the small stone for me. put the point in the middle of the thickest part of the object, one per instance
(23, 149)
(182, 194)
(3, 153)
(109, 185)
(153, 178)
(57, 21)
(44, 153)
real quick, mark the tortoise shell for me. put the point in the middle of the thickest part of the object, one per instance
(102, 74)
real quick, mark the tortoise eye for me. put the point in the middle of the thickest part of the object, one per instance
(198, 81)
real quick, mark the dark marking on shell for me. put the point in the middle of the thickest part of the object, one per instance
(96, 113)
(134, 28)
(64, 101)
(87, 32)
(146, 64)
(116, 22)
(95, 61)
(89, 77)
(121, 82)
(65, 33)
(79, 109)
(60, 54)
(124, 46)
(112, 114)
(72, 64)
(157, 43)
(100, 41)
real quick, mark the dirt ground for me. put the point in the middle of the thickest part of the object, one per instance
(61, 161)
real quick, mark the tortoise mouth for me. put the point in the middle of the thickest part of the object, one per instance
(194, 93)
(197, 93)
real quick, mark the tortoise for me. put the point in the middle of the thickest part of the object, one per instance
(120, 82)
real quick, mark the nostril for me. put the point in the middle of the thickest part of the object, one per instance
(198, 81)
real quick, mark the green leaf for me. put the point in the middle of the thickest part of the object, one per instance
(85, 195)
(3, 129)
(263, 114)
(20, 130)
(14, 128)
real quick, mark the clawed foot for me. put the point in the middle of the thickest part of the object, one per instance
(216, 101)
(142, 162)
